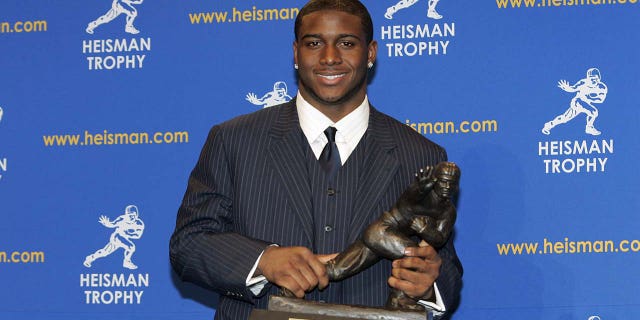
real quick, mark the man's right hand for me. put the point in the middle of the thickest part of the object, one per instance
(294, 268)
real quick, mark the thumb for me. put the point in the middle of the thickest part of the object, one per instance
(324, 258)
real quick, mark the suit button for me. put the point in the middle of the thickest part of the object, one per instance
(328, 228)
(331, 191)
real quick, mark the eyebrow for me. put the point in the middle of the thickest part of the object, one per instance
(340, 36)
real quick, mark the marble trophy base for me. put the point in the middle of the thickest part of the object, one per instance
(282, 308)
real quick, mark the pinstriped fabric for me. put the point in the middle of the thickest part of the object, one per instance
(254, 184)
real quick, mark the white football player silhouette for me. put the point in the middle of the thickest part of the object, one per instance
(589, 91)
(431, 11)
(277, 96)
(118, 7)
(127, 226)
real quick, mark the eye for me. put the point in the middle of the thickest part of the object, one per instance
(313, 44)
(347, 44)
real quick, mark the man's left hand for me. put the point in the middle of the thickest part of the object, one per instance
(416, 272)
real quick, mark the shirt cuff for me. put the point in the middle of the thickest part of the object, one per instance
(438, 308)
(256, 284)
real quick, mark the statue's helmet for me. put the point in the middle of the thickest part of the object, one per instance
(447, 168)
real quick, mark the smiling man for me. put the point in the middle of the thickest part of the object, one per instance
(277, 193)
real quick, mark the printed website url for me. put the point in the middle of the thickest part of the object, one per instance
(568, 246)
(109, 138)
(236, 15)
(450, 127)
(22, 257)
(23, 26)
(516, 4)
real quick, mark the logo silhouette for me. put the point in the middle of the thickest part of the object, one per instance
(127, 227)
(273, 98)
(402, 4)
(118, 7)
(589, 91)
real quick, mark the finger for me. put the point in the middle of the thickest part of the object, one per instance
(292, 285)
(303, 279)
(323, 278)
(304, 273)
(318, 265)
(313, 269)
(324, 258)
(287, 267)
(412, 263)
(407, 287)
(411, 280)
(427, 252)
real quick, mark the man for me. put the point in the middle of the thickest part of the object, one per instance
(589, 91)
(262, 210)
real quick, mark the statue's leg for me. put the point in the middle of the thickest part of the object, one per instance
(351, 261)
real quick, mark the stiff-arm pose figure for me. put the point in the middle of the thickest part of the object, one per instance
(424, 210)
(589, 91)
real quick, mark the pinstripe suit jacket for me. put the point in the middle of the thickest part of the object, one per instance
(250, 188)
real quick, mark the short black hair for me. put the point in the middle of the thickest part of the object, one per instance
(353, 7)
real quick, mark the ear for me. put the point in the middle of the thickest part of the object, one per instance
(372, 51)
(295, 52)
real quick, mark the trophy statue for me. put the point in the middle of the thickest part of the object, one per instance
(424, 211)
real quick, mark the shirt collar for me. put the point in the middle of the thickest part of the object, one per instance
(351, 128)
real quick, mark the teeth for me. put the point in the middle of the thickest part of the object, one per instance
(333, 77)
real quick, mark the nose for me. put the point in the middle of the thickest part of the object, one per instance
(330, 56)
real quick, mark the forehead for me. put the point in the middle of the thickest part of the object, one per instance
(331, 22)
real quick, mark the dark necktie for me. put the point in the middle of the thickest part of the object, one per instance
(330, 157)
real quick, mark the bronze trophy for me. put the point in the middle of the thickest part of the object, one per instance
(425, 211)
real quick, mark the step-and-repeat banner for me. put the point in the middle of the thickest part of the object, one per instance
(105, 104)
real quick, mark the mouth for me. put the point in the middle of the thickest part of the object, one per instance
(331, 76)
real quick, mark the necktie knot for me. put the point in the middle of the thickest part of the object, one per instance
(330, 132)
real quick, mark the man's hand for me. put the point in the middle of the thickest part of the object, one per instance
(294, 268)
(416, 272)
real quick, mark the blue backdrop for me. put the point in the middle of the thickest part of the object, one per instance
(105, 104)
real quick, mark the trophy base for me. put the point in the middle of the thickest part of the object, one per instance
(282, 308)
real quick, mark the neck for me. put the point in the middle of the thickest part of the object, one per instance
(334, 110)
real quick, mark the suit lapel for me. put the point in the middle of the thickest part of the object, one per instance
(380, 166)
(288, 158)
